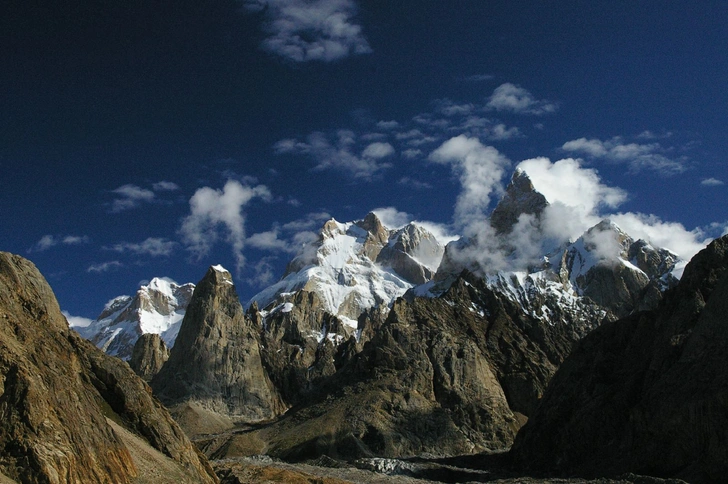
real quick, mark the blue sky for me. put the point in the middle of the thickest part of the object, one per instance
(142, 139)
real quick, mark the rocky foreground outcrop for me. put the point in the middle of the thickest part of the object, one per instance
(645, 394)
(70, 413)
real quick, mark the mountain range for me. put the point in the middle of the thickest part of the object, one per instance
(384, 342)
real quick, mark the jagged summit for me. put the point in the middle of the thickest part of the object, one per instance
(357, 265)
(520, 198)
(157, 307)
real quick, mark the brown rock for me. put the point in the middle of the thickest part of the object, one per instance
(57, 392)
(216, 360)
(148, 356)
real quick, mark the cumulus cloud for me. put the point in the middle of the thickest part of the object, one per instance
(152, 246)
(578, 200)
(48, 241)
(311, 30)
(512, 98)
(479, 169)
(572, 185)
(77, 321)
(378, 150)
(104, 266)
(712, 182)
(216, 213)
(263, 273)
(391, 217)
(670, 235)
(638, 157)
(311, 221)
(340, 153)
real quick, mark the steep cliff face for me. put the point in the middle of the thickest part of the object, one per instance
(59, 396)
(647, 393)
(148, 356)
(216, 362)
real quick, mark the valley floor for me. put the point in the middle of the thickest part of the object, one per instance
(263, 469)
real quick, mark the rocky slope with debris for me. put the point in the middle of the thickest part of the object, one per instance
(66, 406)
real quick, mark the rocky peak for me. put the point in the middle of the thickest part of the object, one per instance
(216, 361)
(520, 198)
(373, 225)
(413, 252)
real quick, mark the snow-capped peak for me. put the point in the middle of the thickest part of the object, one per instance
(357, 265)
(157, 307)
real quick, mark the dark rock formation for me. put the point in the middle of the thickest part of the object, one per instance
(148, 356)
(647, 393)
(520, 198)
(450, 375)
(216, 360)
(59, 395)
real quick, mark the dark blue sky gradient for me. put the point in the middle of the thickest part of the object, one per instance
(99, 94)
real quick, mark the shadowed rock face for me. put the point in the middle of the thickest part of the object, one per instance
(645, 394)
(216, 360)
(57, 392)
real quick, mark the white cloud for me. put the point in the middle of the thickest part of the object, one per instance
(152, 246)
(567, 182)
(104, 266)
(48, 241)
(77, 321)
(219, 212)
(340, 153)
(131, 196)
(391, 217)
(165, 186)
(449, 108)
(637, 156)
(509, 97)
(378, 150)
(479, 168)
(268, 241)
(712, 182)
(311, 30)
(670, 235)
